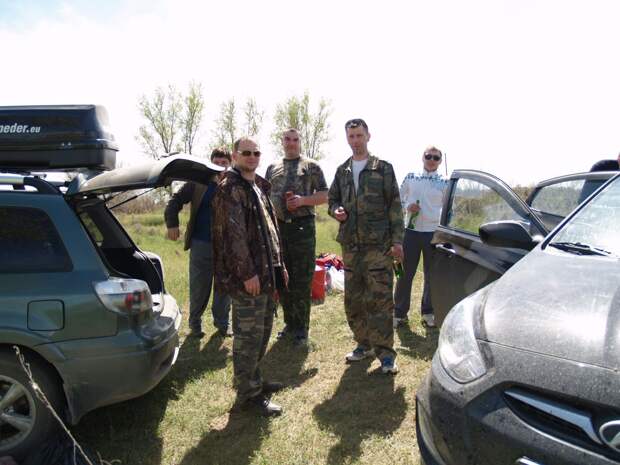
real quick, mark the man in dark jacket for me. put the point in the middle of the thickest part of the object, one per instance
(198, 241)
(249, 267)
(606, 165)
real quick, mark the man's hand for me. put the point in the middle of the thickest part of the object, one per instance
(396, 251)
(173, 234)
(285, 276)
(252, 286)
(341, 214)
(295, 202)
(413, 208)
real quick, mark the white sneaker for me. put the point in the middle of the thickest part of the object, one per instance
(428, 320)
(359, 354)
(388, 366)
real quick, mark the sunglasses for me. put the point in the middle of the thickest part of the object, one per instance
(247, 153)
(354, 123)
(428, 156)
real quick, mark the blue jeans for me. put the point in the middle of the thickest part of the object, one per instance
(200, 283)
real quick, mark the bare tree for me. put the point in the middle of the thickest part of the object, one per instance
(253, 117)
(172, 120)
(313, 127)
(191, 117)
(162, 113)
(226, 125)
(227, 129)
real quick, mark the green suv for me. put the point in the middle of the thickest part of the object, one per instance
(86, 307)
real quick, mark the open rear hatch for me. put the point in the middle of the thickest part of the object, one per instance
(146, 175)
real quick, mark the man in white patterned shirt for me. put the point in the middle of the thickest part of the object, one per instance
(421, 195)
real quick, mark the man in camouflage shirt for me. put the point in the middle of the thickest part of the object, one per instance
(249, 267)
(302, 179)
(364, 198)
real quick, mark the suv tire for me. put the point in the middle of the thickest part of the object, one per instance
(25, 422)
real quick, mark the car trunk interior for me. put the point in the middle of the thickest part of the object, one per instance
(118, 252)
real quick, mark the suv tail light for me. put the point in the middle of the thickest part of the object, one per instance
(125, 296)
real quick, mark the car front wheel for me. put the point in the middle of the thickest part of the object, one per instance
(24, 421)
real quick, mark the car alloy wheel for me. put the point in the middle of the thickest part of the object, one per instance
(17, 412)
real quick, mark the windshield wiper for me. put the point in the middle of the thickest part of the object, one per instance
(580, 248)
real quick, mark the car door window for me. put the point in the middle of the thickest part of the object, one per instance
(30, 243)
(562, 198)
(474, 204)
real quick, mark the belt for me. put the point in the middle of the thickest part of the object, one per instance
(296, 219)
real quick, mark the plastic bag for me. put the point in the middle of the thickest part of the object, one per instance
(336, 278)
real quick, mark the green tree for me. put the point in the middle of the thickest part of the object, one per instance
(172, 120)
(313, 127)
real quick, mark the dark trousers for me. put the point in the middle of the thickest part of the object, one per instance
(415, 243)
(252, 322)
(200, 282)
(298, 249)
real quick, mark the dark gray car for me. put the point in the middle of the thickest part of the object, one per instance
(527, 370)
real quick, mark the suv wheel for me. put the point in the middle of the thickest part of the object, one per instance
(24, 421)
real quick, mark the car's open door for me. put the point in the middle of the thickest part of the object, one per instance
(463, 263)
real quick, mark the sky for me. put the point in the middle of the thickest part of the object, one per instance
(524, 89)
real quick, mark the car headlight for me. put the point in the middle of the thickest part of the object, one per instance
(458, 349)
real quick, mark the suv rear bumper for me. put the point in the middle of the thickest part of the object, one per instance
(119, 368)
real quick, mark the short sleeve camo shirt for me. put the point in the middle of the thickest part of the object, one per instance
(301, 176)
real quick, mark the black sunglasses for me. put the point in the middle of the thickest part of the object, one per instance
(428, 156)
(355, 123)
(247, 153)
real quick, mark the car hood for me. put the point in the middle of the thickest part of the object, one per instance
(559, 304)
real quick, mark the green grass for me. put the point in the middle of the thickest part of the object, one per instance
(334, 413)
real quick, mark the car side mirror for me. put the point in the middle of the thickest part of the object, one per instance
(507, 234)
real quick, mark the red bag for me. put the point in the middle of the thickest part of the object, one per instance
(330, 259)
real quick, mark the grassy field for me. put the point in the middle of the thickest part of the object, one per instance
(334, 413)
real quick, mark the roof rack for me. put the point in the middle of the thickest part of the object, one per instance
(18, 181)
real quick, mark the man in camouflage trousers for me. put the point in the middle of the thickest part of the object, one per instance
(364, 198)
(249, 267)
(302, 180)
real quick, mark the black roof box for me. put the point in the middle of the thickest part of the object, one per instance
(56, 137)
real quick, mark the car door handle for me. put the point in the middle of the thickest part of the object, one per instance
(446, 248)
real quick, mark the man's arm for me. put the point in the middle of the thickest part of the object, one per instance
(318, 198)
(319, 187)
(394, 206)
(175, 204)
(404, 193)
(334, 196)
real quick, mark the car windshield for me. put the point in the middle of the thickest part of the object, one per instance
(596, 228)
